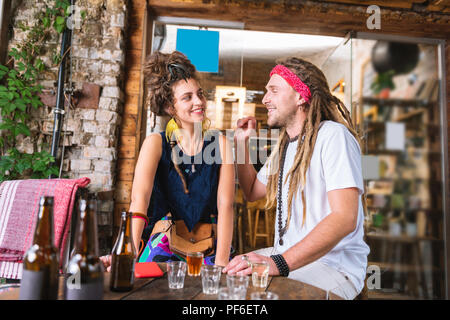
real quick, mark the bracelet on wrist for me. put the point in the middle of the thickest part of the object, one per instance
(281, 264)
(141, 216)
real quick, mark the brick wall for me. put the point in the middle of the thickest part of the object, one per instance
(91, 128)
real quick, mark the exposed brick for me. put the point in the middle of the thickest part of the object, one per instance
(118, 20)
(102, 141)
(73, 124)
(80, 165)
(112, 92)
(106, 116)
(100, 153)
(90, 126)
(79, 52)
(103, 166)
(87, 114)
(111, 104)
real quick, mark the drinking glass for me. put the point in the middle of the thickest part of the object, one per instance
(260, 274)
(263, 295)
(226, 293)
(237, 285)
(194, 263)
(210, 278)
(176, 272)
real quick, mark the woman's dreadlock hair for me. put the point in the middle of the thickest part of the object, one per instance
(161, 72)
(321, 106)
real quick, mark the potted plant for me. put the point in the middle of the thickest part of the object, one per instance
(383, 84)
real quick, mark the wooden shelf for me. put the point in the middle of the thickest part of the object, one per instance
(410, 114)
(403, 268)
(385, 179)
(398, 102)
(384, 152)
(380, 125)
(401, 238)
(399, 152)
(411, 210)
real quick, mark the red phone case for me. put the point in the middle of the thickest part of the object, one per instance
(147, 270)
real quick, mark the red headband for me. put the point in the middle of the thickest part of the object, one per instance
(293, 81)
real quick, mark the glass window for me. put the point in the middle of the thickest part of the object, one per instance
(399, 114)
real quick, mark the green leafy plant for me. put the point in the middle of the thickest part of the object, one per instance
(19, 93)
(383, 81)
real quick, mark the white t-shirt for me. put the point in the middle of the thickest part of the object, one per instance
(335, 164)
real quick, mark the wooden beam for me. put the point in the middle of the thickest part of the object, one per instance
(123, 192)
(129, 124)
(133, 59)
(381, 3)
(126, 169)
(127, 147)
(307, 17)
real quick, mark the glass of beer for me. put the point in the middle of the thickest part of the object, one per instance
(194, 263)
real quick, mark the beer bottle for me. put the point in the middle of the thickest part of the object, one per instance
(41, 261)
(84, 275)
(123, 257)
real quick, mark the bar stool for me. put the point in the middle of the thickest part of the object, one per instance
(255, 209)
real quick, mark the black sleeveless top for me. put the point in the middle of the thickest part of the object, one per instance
(201, 173)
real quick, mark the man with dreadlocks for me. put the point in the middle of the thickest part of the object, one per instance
(313, 178)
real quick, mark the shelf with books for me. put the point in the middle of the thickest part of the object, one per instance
(393, 102)
(403, 267)
(400, 238)
(374, 126)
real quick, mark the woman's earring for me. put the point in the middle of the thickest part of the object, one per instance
(172, 129)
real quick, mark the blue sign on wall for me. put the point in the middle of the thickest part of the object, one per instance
(201, 47)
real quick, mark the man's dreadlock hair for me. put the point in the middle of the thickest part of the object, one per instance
(321, 106)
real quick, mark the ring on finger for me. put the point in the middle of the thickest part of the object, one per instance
(245, 258)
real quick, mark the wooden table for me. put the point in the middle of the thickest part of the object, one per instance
(157, 289)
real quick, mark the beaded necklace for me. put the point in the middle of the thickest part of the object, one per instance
(281, 230)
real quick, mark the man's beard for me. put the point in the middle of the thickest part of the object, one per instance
(275, 126)
(276, 123)
(281, 120)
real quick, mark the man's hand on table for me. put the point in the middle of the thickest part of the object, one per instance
(239, 266)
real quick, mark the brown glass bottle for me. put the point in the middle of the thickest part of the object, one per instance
(84, 273)
(123, 257)
(41, 261)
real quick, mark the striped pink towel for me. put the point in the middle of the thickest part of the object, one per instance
(19, 205)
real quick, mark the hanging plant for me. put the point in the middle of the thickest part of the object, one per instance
(19, 93)
(383, 81)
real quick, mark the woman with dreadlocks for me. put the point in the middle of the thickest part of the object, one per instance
(313, 178)
(176, 182)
